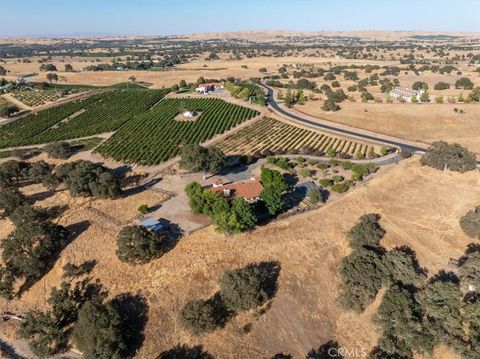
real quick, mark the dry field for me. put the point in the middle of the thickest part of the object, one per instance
(416, 122)
(420, 207)
(189, 72)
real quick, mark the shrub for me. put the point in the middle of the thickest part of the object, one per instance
(441, 155)
(245, 288)
(340, 187)
(136, 244)
(359, 155)
(326, 182)
(143, 209)
(383, 150)
(314, 195)
(330, 105)
(337, 178)
(305, 172)
(201, 316)
(470, 223)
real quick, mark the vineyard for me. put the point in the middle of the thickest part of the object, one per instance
(155, 136)
(269, 135)
(104, 112)
(34, 98)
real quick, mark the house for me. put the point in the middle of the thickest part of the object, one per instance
(249, 189)
(404, 94)
(153, 225)
(209, 87)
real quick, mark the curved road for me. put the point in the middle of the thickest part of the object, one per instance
(396, 142)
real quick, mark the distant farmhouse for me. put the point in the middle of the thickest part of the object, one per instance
(404, 94)
(209, 87)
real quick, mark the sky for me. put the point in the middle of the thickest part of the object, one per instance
(169, 17)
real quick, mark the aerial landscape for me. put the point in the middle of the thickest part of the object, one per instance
(275, 179)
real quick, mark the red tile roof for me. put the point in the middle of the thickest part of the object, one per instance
(249, 189)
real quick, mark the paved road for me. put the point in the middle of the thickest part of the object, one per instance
(396, 142)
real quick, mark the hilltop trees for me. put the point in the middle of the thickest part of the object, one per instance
(85, 178)
(442, 156)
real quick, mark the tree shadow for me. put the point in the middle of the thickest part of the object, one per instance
(416, 264)
(282, 356)
(88, 289)
(471, 249)
(270, 272)
(40, 196)
(174, 233)
(329, 350)
(76, 229)
(56, 211)
(71, 233)
(185, 352)
(444, 276)
(72, 270)
(134, 312)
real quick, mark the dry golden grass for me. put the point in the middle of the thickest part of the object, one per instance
(416, 122)
(420, 207)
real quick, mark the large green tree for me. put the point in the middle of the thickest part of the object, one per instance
(198, 158)
(98, 331)
(136, 244)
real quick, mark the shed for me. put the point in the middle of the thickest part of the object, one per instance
(153, 225)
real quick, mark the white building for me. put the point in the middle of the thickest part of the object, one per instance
(209, 87)
(189, 114)
(400, 93)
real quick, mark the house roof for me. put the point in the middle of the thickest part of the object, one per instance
(248, 189)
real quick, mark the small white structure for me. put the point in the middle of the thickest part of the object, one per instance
(189, 114)
(404, 94)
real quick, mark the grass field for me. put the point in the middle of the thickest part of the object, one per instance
(156, 136)
(269, 134)
(304, 313)
(99, 113)
(416, 122)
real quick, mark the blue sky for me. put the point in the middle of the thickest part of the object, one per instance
(149, 17)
